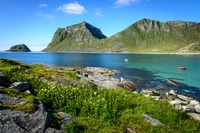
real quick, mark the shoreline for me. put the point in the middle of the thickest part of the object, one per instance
(196, 53)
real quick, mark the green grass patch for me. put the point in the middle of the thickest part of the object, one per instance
(98, 110)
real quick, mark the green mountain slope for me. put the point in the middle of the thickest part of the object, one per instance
(145, 35)
(19, 48)
(78, 37)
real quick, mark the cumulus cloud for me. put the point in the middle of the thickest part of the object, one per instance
(98, 12)
(47, 16)
(72, 8)
(42, 5)
(122, 3)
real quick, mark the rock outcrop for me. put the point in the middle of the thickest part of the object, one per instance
(102, 78)
(179, 102)
(19, 48)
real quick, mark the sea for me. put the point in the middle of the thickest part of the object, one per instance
(146, 70)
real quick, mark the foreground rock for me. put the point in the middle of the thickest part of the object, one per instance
(151, 120)
(19, 122)
(101, 77)
(179, 102)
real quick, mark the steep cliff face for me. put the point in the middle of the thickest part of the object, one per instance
(19, 48)
(78, 36)
(145, 35)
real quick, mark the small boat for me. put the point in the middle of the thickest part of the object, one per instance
(126, 60)
(181, 68)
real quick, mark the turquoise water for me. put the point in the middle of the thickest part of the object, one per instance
(148, 70)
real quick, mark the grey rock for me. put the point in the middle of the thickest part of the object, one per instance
(195, 116)
(19, 122)
(194, 102)
(172, 92)
(150, 92)
(185, 98)
(52, 130)
(197, 108)
(9, 100)
(67, 118)
(172, 83)
(189, 108)
(2, 80)
(20, 86)
(100, 77)
(152, 121)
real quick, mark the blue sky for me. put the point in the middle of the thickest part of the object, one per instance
(33, 22)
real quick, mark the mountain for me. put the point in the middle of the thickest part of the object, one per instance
(19, 48)
(82, 36)
(146, 35)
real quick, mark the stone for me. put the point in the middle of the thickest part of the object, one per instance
(67, 118)
(151, 120)
(150, 92)
(100, 70)
(189, 108)
(185, 98)
(172, 92)
(20, 86)
(52, 130)
(178, 106)
(2, 80)
(19, 122)
(195, 116)
(194, 102)
(172, 83)
(9, 100)
(197, 108)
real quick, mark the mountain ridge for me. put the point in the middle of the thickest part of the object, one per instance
(145, 35)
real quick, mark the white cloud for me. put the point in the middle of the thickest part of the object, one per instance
(42, 5)
(47, 16)
(72, 8)
(98, 12)
(122, 3)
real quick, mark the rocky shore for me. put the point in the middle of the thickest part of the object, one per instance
(15, 120)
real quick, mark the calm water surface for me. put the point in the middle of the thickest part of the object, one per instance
(148, 70)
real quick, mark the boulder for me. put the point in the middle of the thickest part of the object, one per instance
(195, 116)
(100, 70)
(185, 98)
(194, 102)
(152, 121)
(197, 108)
(190, 108)
(67, 118)
(172, 92)
(20, 86)
(2, 80)
(19, 122)
(172, 83)
(9, 100)
(150, 92)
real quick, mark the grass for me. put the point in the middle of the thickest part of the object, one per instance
(101, 110)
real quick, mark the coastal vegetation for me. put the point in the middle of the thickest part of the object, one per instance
(95, 109)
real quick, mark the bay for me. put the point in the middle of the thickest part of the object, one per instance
(147, 70)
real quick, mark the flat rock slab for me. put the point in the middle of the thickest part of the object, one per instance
(195, 116)
(9, 100)
(20, 86)
(2, 80)
(152, 121)
(19, 122)
(67, 118)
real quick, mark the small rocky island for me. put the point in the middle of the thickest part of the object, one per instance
(19, 48)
